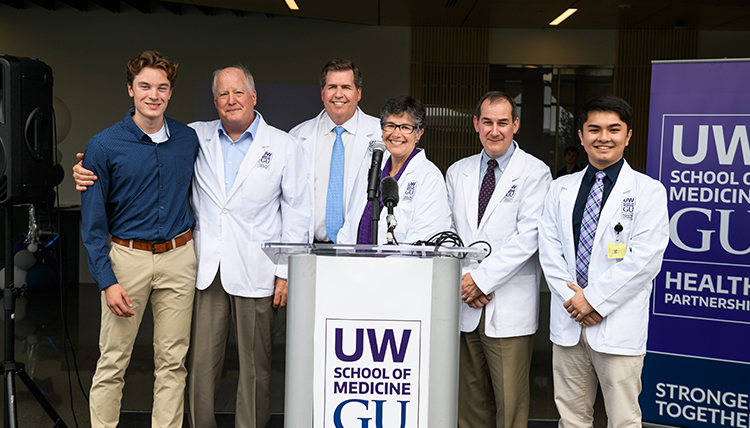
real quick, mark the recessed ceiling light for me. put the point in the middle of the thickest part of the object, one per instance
(292, 4)
(563, 16)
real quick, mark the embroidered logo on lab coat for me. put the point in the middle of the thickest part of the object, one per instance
(511, 195)
(265, 160)
(369, 148)
(628, 206)
(411, 190)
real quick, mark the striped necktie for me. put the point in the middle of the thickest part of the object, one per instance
(588, 229)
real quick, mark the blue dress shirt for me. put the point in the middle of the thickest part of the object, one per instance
(502, 163)
(234, 151)
(142, 190)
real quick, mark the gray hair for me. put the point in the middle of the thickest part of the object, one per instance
(243, 69)
(405, 104)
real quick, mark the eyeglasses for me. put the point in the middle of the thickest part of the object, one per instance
(404, 128)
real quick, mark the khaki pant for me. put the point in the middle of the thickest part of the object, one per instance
(493, 380)
(576, 372)
(167, 280)
(254, 320)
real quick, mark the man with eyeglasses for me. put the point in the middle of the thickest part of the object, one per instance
(337, 144)
(497, 196)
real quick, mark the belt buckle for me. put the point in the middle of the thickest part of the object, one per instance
(157, 248)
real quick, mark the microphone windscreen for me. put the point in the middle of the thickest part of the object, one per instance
(378, 146)
(389, 190)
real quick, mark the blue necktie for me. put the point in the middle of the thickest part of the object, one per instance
(335, 195)
(588, 230)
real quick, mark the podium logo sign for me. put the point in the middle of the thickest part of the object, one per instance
(372, 373)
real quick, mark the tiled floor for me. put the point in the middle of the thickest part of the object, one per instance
(39, 344)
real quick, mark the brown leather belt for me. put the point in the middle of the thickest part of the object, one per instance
(156, 246)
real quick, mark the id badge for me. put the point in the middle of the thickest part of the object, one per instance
(616, 251)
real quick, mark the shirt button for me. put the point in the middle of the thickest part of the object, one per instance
(225, 211)
(161, 186)
(161, 208)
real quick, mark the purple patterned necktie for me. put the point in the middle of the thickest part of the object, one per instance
(488, 186)
(588, 229)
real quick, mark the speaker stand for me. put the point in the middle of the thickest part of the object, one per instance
(11, 368)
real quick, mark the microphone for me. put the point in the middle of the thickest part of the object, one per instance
(389, 190)
(378, 147)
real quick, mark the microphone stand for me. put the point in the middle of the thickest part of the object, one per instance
(392, 223)
(375, 219)
(374, 197)
(12, 368)
(373, 188)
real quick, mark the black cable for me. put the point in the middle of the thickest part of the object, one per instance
(395, 241)
(442, 239)
(57, 252)
(489, 247)
(451, 239)
(447, 238)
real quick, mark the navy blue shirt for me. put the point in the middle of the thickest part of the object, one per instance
(589, 178)
(142, 190)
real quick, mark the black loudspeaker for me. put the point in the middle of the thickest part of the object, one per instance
(26, 130)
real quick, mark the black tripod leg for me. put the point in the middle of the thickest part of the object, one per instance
(40, 398)
(11, 417)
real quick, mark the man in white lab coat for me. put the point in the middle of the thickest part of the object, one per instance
(340, 90)
(497, 196)
(602, 236)
(249, 187)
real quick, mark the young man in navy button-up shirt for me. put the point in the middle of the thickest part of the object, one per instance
(144, 164)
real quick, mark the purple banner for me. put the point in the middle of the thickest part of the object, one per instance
(700, 318)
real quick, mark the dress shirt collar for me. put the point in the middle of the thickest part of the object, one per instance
(350, 125)
(250, 132)
(131, 126)
(612, 171)
(502, 160)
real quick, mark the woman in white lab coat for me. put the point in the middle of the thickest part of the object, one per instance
(422, 208)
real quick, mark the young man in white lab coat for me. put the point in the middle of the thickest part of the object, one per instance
(601, 240)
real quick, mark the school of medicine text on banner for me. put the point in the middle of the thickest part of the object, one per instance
(697, 370)
(371, 354)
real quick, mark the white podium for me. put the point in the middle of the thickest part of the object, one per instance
(372, 335)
